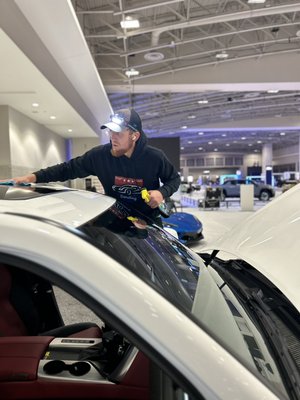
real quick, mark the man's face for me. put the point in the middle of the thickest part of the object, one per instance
(122, 142)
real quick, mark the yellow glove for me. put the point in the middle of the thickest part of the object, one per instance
(133, 219)
(145, 195)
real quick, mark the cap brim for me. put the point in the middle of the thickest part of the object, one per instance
(112, 126)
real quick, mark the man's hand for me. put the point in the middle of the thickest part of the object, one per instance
(31, 178)
(155, 198)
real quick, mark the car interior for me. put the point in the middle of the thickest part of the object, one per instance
(41, 357)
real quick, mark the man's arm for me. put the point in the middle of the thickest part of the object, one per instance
(78, 167)
(169, 177)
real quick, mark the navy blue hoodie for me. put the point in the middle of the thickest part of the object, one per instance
(121, 177)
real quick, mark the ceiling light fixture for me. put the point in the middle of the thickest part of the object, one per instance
(35, 104)
(153, 56)
(256, 1)
(191, 116)
(52, 117)
(202, 101)
(273, 91)
(130, 22)
(222, 55)
(184, 127)
(200, 133)
(282, 133)
(132, 72)
(70, 130)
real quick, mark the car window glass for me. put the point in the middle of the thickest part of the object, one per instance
(152, 254)
(234, 324)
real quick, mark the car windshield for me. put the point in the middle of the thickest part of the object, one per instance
(148, 251)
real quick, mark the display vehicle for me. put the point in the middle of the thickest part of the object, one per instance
(232, 188)
(170, 323)
(188, 227)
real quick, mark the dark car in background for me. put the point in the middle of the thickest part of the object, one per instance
(232, 188)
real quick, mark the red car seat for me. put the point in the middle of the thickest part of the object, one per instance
(19, 315)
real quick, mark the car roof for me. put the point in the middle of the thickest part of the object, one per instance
(269, 241)
(54, 202)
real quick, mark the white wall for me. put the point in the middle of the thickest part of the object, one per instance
(5, 170)
(286, 155)
(82, 145)
(32, 146)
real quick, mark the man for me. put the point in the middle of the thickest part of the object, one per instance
(124, 166)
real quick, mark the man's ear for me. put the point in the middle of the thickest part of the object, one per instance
(136, 135)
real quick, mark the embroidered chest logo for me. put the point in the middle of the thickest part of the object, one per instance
(128, 188)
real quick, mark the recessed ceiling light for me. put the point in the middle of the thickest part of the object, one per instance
(259, 141)
(130, 22)
(282, 133)
(52, 117)
(222, 55)
(190, 142)
(181, 148)
(184, 127)
(224, 134)
(191, 116)
(70, 130)
(202, 101)
(200, 148)
(35, 104)
(210, 142)
(250, 144)
(215, 149)
(243, 138)
(200, 133)
(132, 72)
(273, 91)
(227, 144)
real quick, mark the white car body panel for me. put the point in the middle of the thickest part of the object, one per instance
(203, 362)
(269, 240)
(70, 207)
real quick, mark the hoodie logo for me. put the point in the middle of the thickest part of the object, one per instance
(128, 188)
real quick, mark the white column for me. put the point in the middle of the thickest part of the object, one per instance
(298, 169)
(267, 156)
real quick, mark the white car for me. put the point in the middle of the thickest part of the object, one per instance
(175, 325)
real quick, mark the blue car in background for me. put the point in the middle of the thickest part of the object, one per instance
(188, 227)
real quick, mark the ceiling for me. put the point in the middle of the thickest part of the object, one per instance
(50, 67)
(183, 88)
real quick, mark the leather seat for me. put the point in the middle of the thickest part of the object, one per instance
(20, 316)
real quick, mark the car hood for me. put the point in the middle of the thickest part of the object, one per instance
(269, 241)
